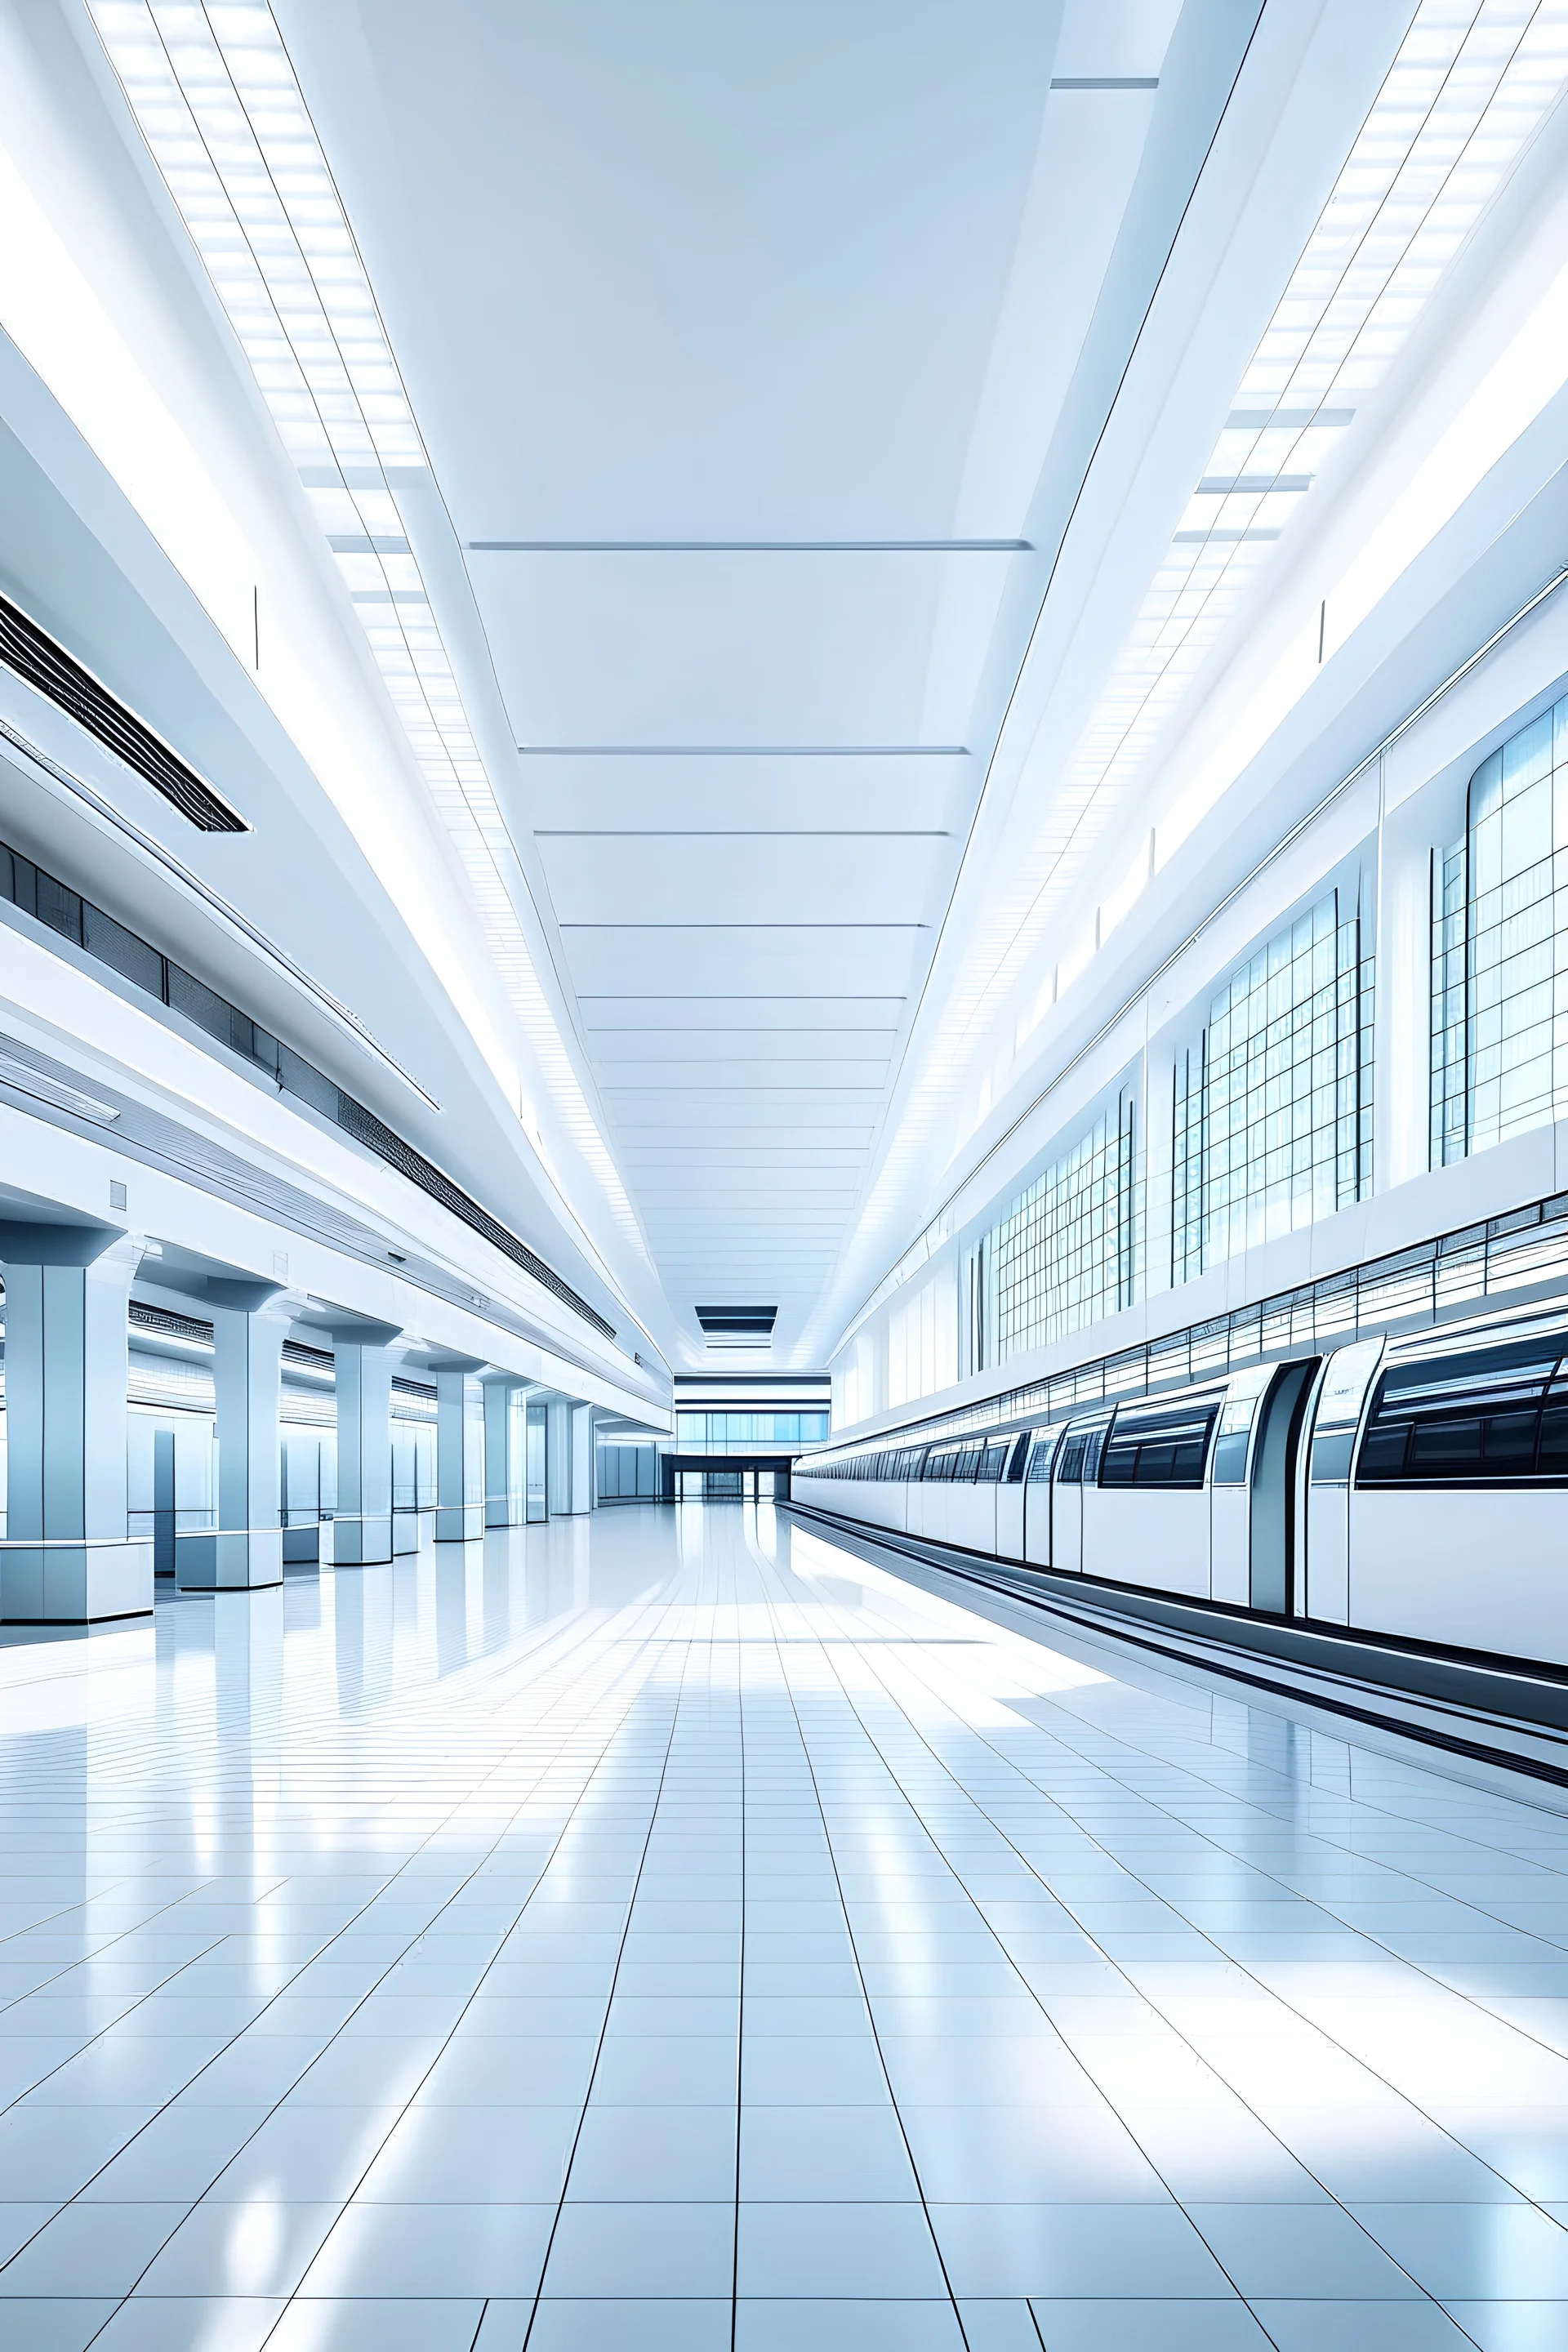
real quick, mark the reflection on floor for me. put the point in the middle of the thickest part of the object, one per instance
(667, 1931)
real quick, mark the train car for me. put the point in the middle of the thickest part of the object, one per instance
(1415, 1486)
(1457, 1509)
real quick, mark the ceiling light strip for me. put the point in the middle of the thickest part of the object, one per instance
(1470, 82)
(214, 96)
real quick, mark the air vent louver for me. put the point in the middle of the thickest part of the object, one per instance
(47, 667)
(749, 1322)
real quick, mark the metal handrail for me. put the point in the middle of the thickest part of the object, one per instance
(65, 1543)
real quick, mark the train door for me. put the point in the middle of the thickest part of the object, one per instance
(1276, 1487)
(1077, 1466)
(1230, 1497)
(1037, 1493)
(1347, 1377)
(1010, 1494)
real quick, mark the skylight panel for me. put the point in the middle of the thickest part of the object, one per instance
(215, 98)
(1471, 82)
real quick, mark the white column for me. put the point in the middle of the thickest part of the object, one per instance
(1402, 1028)
(246, 1550)
(362, 1533)
(459, 1450)
(504, 1471)
(581, 1440)
(558, 1469)
(67, 1287)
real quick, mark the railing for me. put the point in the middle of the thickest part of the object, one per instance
(1506, 1256)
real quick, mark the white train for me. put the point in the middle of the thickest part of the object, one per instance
(1415, 1486)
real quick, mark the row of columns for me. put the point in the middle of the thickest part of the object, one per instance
(69, 1557)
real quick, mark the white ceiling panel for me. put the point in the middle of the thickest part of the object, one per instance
(765, 650)
(615, 1016)
(688, 877)
(817, 792)
(725, 958)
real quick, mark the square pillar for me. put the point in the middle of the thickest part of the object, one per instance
(67, 1287)
(504, 1426)
(558, 1456)
(459, 1450)
(246, 1549)
(362, 1533)
(582, 1429)
(536, 1460)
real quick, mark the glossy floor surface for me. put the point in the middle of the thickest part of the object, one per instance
(667, 1931)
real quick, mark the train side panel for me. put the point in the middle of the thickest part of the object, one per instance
(971, 1517)
(1157, 1536)
(1473, 1568)
(1230, 1543)
(1037, 1500)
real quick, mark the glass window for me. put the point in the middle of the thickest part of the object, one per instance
(1069, 1250)
(1040, 1455)
(1469, 1419)
(1164, 1448)
(1077, 1461)
(1500, 949)
(1273, 1115)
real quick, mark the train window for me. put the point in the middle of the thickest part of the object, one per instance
(1332, 1450)
(1040, 1457)
(1069, 1461)
(1164, 1448)
(1235, 1435)
(1077, 1462)
(990, 1464)
(1468, 1419)
(1554, 1457)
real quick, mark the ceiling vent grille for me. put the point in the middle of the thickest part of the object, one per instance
(738, 1322)
(47, 667)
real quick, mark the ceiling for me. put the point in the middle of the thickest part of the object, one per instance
(737, 337)
(789, 464)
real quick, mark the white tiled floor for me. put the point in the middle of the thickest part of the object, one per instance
(667, 1931)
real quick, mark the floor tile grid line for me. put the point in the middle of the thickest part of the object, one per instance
(918, 1816)
(237, 2037)
(689, 1648)
(634, 1670)
(1525, 1796)
(1197, 2054)
(783, 1673)
(65, 1970)
(946, 1767)
(328, 1722)
(741, 2012)
(1365, 1933)
(196, 1958)
(391, 1968)
(1283, 2000)
(303, 1738)
(1529, 1797)
(1392, 1867)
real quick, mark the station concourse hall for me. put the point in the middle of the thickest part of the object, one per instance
(783, 1176)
